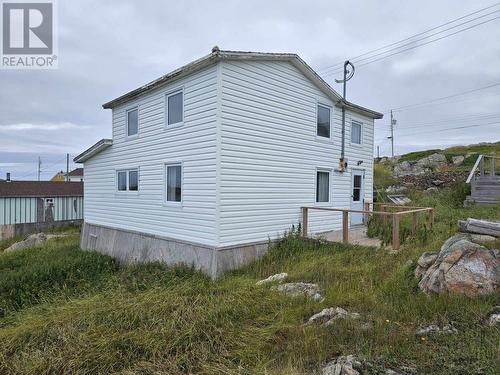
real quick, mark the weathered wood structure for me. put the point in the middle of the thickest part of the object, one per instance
(484, 179)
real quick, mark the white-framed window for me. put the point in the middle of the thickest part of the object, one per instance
(127, 180)
(322, 186)
(323, 128)
(173, 183)
(132, 122)
(174, 111)
(356, 132)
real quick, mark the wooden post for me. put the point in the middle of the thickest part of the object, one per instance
(304, 222)
(395, 231)
(492, 167)
(345, 226)
(431, 218)
(481, 167)
(365, 216)
(383, 208)
(414, 223)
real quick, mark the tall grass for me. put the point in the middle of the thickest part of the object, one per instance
(79, 313)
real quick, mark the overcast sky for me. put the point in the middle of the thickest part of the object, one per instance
(107, 48)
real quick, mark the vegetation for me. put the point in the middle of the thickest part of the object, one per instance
(68, 311)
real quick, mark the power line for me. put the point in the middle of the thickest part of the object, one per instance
(416, 46)
(411, 37)
(454, 128)
(446, 97)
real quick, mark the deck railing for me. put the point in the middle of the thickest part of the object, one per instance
(481, 167)
(386, 211)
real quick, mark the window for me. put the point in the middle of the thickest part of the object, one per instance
(356, 132)
(174, 108)
(174, 183)
(356, 188)
(323, 123)
(128, 180)
(132, 122)
(322, 186)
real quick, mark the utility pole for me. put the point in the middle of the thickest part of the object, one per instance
(378, 152)
(393, 122)
(67, 167)
(39, 167)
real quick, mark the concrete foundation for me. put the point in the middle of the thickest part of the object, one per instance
(130, 247)
(12, 230)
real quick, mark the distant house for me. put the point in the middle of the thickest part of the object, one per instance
(59, 176)
(76, 175)
(210, 161)
(34, 202)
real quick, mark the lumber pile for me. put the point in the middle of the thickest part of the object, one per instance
(490, 228)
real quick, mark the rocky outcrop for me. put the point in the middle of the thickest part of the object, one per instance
(300, 289)
(33, 240)
(279, 277)
(422, 166)
(436, 329)
(461, 267)
(457, 160)
(328, 316)
(343, 365)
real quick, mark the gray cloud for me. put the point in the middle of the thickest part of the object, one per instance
(108, 48)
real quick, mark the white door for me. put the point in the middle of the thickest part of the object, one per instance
(357, 197)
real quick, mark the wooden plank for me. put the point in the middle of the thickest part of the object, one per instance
(304, 221)
(345, 226)
(395, 231)
(414, 223)
(431, 218)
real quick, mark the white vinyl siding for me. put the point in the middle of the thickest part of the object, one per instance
(193, 144)
(270, 152)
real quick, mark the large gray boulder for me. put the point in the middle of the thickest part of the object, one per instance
(33, 240)
(300, 289)
(422, 166)
(461, 267)
(433, 161)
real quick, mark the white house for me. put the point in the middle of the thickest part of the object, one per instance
(210, 161)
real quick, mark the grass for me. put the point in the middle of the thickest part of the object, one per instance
(80, 313)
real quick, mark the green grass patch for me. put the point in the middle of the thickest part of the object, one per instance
(69, 311)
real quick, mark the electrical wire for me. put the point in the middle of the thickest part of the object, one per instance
(410, 37)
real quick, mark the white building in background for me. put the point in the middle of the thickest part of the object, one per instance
(210, 161)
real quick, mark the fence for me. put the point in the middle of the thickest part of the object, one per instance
(386, 211)
(21, 210)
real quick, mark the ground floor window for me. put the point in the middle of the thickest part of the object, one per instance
(127, 180)
(322, 186)
(174, 183)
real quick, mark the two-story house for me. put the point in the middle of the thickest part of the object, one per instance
(211, 161)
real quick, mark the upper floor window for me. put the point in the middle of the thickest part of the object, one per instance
(323, 122)
(322, 186)
(132, 122)
(175, 104)
(174, 183)
(356, 129)
(128, 180)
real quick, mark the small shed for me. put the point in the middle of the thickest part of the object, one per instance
(40, 201)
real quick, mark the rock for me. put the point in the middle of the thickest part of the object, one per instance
(462, 267)
(431, 190)
(395, 189)
(434, 328)
(469, 154)
(278, 277)
(300, 289)
(494, 316)
(343, 365)
(437, 182)
(424, 262)
(457, 160)
(328, 316)
(433, 161)
(33, 240)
